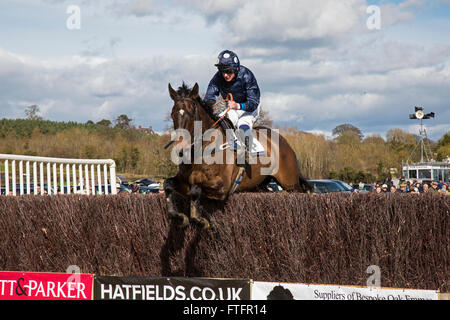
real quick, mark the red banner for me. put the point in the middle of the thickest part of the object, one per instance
(45, 286)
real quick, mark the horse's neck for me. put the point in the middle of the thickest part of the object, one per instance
(208, 123)
(205, 118)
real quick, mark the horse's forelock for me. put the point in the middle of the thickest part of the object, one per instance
(184, 91)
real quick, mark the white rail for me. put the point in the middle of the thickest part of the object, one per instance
(64, 176)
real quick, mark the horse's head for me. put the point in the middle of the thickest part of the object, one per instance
(184, 110)
(185, 105)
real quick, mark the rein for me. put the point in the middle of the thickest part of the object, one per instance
(228, 98)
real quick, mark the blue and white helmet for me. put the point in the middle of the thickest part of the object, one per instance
(227, 61)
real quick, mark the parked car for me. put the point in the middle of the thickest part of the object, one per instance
(344, 185)
(326, 186)
(122, 180)
(148, 185)
(274, 187)
(148, 189)
(147, 182)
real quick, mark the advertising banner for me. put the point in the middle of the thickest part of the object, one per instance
(176, 288)
(45, 286)
(296, 291)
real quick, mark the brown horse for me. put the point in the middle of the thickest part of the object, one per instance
(203, 178)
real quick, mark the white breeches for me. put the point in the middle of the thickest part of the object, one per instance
(241, 117)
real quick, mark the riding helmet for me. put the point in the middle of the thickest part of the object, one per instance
(227, 61)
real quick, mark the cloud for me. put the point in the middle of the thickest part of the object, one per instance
(392, 13)
(95, 46)
(213, 8)
(298, 29)
(89, 88)
(291, 22)
(137, 8)
(261, 25)
(320, 95)
(312, 95)
(317, 65)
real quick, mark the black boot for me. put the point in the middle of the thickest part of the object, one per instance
(244, 138)
(241, 156)
(247, 149)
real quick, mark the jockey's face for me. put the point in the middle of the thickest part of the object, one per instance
(228, 76)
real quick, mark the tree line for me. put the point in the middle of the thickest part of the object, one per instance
(136, 153)
(351, 157)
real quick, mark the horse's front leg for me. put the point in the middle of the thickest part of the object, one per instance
(172, 212)
(196, 218)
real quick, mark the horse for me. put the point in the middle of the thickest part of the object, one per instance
(203, 179)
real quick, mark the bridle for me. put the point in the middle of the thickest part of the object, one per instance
(196, 115)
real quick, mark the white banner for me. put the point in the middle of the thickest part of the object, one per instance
(297, 291)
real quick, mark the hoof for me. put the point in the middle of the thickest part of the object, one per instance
(205, 224)
(181, 219)
(201, 222)
(172, 215)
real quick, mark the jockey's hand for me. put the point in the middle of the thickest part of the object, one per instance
(234, 105)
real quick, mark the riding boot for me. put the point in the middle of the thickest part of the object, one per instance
(241, 157)
(244, 144)
(247, 149)
(243, 152)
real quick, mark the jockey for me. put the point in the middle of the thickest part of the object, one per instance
(241, 83)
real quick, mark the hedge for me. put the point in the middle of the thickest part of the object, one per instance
(327, 238)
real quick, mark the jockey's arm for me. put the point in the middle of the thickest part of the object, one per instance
(252, 91)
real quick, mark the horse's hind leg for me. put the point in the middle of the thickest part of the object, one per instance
(169, 190)
(304, 185)
(195, 194)
(288, 174)
(294, 184)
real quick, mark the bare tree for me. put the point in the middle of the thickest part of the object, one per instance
(33, 113)
(263, 119)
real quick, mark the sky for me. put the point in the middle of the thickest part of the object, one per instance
(318, 63)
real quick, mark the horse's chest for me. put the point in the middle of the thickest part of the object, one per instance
(206, 176)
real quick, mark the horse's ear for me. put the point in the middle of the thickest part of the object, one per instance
(194, 91)
(173, 93)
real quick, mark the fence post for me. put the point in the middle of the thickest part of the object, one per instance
(49, 173)
(21, 176)
(27, 169)
(6, 177)
(14, 182)
(112, 172)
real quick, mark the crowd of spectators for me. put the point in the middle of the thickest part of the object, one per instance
(403, 186)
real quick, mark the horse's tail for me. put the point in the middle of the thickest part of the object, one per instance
(304, 185)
